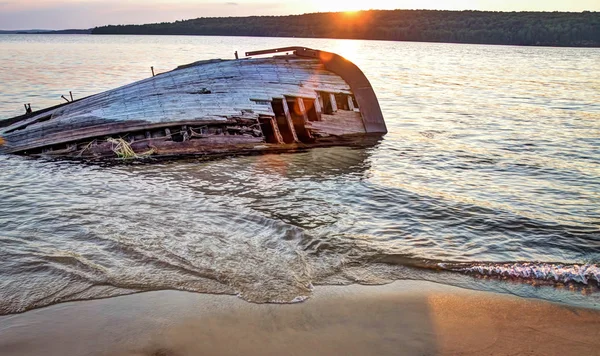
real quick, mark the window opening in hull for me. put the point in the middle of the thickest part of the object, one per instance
(282, 123)
(266, 125)
(342, 102)
(297, 112)
(311, 110)
(355, 102)
(328, 106)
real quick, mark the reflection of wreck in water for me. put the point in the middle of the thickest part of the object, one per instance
(288, 102)
(319, 164)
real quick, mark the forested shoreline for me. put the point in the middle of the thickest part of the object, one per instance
(479, 27)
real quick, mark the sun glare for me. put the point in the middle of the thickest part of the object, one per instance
(341, 5)
(347, 49)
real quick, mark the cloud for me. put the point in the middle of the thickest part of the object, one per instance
(88, 14)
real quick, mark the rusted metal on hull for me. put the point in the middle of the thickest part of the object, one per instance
(306, 99)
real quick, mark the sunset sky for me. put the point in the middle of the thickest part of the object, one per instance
(62, 14)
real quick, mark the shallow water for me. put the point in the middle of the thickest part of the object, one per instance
(489, 178)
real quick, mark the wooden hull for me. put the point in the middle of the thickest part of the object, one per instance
(308, 98)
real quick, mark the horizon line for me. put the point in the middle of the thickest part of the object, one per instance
(307, 13)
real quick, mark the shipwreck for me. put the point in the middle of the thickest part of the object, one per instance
(297, 98)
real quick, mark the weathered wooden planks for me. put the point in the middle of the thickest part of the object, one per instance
(213, 93)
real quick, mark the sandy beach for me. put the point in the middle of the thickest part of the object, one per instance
(403, 318)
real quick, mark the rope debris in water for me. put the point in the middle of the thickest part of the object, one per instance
(123, 149)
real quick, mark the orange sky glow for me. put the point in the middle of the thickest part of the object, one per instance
(61, 14)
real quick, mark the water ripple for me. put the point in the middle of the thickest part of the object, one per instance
(480, 164)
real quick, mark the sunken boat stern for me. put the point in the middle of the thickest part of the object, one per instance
(305, 99)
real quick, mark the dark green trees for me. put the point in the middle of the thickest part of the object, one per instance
(511, 28)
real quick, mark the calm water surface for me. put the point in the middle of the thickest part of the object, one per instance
(489, 178)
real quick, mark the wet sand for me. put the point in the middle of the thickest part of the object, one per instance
(403, 318)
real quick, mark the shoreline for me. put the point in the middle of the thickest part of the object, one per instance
(405, 317)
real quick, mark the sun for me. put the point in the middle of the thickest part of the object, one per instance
(348, 6)
(355, 5)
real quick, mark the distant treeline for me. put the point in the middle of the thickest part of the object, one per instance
(510, 28)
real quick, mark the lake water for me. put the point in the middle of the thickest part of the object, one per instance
(489, 179)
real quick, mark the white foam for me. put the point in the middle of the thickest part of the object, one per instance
(583, 274)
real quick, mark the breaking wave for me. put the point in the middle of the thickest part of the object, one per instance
(585, 274)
